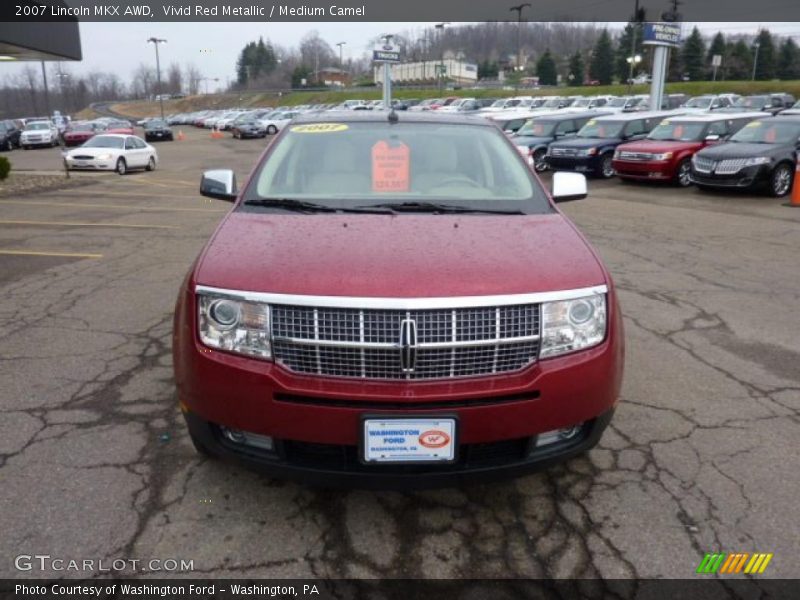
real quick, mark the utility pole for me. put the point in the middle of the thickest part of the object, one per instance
(519, 8)
(633, 44)
(46, 91)
(757, 45)
(156, 41)
(341, 61)
(440, 27)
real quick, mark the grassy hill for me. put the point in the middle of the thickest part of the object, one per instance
(140, 109)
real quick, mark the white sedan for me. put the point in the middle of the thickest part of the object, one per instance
(112, 152)
(277, 120)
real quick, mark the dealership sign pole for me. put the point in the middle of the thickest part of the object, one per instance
(663, 36)
(388, 55)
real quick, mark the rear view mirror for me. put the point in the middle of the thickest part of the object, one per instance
(219, 184)
(568, 186)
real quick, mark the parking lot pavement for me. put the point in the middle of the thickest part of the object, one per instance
(94, 461)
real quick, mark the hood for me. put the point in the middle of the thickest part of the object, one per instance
(657, 146)
(78, 134)
(93, 151)
(397, 256)
(738, 150)
(585, 142)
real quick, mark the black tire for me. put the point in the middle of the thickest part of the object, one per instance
(272, 130)
(25, 147)
(539, 161)
(780, 182)
(683, 173)
(151, 164)
(606, 169)
(201, 448)
(122, 166)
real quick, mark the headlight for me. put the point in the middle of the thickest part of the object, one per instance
(587, 152)
(665, 156)
(760, 160)
(106, 156)
(234, 325)
(571, 325)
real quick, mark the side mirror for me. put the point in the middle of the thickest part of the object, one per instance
(568, 186)
(219, 184)
(713, 137)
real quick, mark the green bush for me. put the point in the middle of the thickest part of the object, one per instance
(5, 167)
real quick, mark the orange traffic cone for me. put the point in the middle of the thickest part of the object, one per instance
(216, 133)
(795, 198)
(180, 136)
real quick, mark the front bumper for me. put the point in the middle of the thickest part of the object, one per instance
(581, 164)
(36, 142)
(89, 165)
(745, 178)
(644, 170)
(333, 465)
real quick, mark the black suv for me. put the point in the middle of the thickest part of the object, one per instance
(769, 103)
(533, 138)
(761, 154)
(9, 135)
(157, 129)
(592, 149)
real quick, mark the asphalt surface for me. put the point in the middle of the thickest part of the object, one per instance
(94, 462)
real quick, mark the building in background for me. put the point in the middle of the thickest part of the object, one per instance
(333, 77)
(455, 71)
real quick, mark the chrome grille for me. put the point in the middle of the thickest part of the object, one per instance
(627, 155)
(462, 342)
(704, 165)
(730, 166)
(563, 151)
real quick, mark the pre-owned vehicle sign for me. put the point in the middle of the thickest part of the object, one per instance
(409, 440)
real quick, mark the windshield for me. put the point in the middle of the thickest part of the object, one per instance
(34, 126)
(356, 164)
(699, 102)
(582, 102)
(155, 124)
(757, 102)
(678, 131)
(105, 141)
(768, 132)
(537, 128)
(80, 127)
(498, 104)
(617, 102)
(553, 103)
(601, 129)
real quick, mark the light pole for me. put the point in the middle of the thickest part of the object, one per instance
(207, 79)
(440, 27)
(387, 74)
(632, 61)
(756, 45)
(519, 8)
(156, 41)
(341, 61)
(633, 43)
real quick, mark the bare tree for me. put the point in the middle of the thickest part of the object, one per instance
(174, 79)
(192, 77)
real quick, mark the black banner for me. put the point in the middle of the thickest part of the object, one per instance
(388, 11)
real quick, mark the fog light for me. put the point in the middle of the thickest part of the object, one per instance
(558, 435)
(264, 442)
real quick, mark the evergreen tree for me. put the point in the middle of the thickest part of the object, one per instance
(765, 68)
(601, 67)
(625, 45)
(788, 60)
(694, 56)
(740, 61)
(299, 73)
(577, 69)
(717, 46)
(546, 69)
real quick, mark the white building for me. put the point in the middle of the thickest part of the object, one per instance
(457, 71)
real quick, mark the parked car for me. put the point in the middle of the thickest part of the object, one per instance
(535, 136)
(80, 131)
(794, 110)
(112, 152)
(666, 153)
(589, 102)
(248, 126)
(425, 104)
(769, 103)
(705, 103)
(119, 127)
(762, 154)
(39, 133)
(372, 355)
(592, 149)
(624, 103)
(278, 120)
(9, 135)
(156, 129)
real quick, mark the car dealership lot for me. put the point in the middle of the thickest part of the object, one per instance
(701, 455)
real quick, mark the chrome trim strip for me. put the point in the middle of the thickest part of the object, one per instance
(356, 303)
(399, 345)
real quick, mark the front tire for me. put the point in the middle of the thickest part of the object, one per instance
(122, 166)
(683, 174)
(272, 130)
(151, 164)
(780, 183)
(539, 162)
(606, 166)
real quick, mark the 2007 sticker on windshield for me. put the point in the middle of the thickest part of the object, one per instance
(319, 128)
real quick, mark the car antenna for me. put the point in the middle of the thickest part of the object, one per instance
(393, 118)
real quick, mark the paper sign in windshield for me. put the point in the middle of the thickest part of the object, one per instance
(390, 167)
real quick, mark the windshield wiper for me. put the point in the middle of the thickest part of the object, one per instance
(310, 207)
(432, 207)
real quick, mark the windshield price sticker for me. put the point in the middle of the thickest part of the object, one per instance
(320, 128)
(409, 440)
(390, 167)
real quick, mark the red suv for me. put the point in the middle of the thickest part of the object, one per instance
(395, 301)
(666, 153)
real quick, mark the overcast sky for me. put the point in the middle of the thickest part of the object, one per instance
(213, 47)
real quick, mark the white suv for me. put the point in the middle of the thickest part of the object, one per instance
(39, 133)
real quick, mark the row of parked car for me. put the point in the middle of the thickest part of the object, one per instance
(713, 149)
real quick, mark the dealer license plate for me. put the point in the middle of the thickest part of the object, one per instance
(409, 440)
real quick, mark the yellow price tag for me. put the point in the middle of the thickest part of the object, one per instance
(319, 128)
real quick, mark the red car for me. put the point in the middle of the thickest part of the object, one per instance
(396, 302)
(666, 153)
(77, 133)
(120, 127)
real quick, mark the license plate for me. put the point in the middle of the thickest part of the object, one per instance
(81, 163)
(159, 134)
(409, 440)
